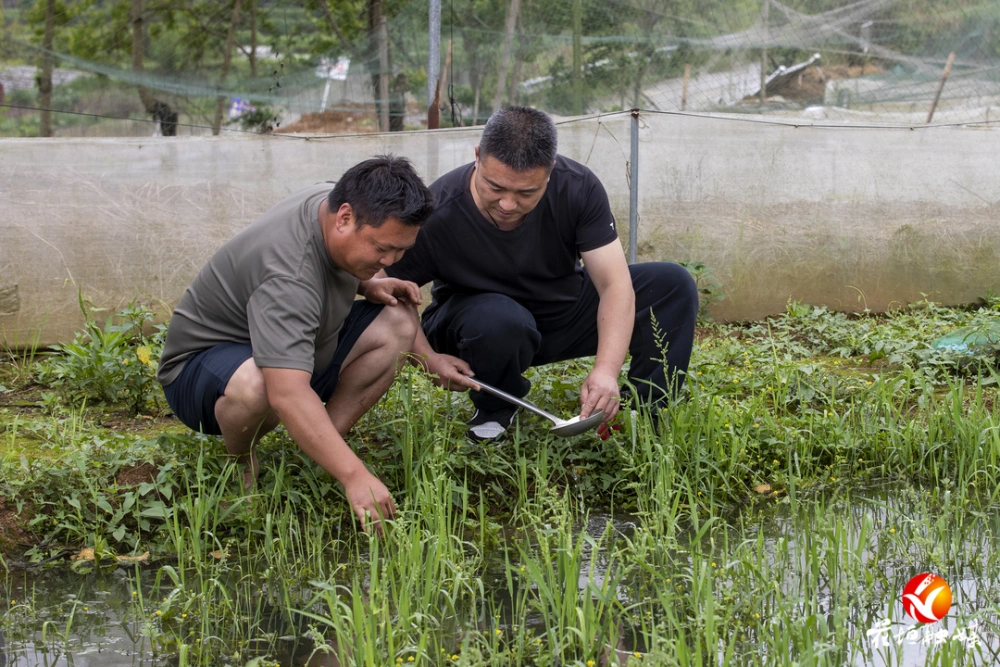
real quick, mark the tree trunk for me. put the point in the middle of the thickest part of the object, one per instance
(161, 111)
(227, 58)
(138, 35)
(515, 76)
(45, 78)
(475, 102)
(383, 80)
(253, 38)
(445, 83)
(374, 64)
(475, 78)
(765, 10)
(397, 103)
(637, 90)
(511, 23)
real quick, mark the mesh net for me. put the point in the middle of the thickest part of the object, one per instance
(349, 66)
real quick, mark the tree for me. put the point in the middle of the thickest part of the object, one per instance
(161, 112)
(46, 16)
(114, 33)
(378, 61)
(340, 25)
(475, 19)
(513, 12)
(45, 76)
(227, 59)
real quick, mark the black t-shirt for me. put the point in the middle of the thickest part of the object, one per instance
(537, 263)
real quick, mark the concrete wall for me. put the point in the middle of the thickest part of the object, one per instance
(838, 216)
(823, 215)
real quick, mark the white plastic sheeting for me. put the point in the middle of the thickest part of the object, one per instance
(842, 216)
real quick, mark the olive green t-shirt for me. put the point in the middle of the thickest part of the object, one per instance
(272, 286)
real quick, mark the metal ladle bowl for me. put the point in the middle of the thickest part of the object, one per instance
(563, 427)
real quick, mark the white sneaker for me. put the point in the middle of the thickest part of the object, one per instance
(490, 426)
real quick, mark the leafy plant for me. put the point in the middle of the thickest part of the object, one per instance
(814, 460)
(709, 287)
(114, 363)
(261, 120)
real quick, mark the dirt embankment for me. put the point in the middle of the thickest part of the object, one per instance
(810, 84)
(357, 121)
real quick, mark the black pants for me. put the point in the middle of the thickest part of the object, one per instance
(500, 339)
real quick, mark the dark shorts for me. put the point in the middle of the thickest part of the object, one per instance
(203, 378)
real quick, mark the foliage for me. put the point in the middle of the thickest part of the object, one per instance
(709, 287)
(62, 14)
(627, 46)
(815, 462)
(351, 20)
(114, 363)
(83, 504)
(261, 120)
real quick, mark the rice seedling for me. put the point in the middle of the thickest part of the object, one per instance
(815, 463)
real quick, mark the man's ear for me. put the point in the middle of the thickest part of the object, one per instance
(343, 219)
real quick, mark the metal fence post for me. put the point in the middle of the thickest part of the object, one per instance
(434, 49)
(633, 190)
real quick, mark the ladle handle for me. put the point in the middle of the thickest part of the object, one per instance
(517, 401)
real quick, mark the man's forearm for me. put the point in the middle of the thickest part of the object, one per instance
(421, 346)
(310, 427)
(615, 319)
(364, 283)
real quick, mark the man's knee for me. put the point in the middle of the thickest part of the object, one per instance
(499, 320)
(673, 284)
(403, 319)
(396, 326)
(247, 391)
(686, 287)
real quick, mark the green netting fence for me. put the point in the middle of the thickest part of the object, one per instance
(138, 67)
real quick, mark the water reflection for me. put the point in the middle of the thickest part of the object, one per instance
(816, 550)
(62, 618)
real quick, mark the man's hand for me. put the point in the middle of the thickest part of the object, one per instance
(599, 392)
(369, 499)
(390, 291)
(452, 373)
(309, 424)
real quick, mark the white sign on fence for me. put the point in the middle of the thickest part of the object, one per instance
(333, 70)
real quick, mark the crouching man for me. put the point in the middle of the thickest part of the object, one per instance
(270, 332)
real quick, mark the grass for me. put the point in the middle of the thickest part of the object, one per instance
(816, 462)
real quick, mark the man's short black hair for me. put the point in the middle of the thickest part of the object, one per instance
(520, 137)
(383, 187)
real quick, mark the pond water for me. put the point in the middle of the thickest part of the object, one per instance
(61, 617)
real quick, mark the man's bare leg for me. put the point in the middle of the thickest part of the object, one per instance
(244, 417)
(370, 366)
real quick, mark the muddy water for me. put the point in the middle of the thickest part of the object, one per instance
(59, 617)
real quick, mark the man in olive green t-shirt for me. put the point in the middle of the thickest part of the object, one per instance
(270, 330)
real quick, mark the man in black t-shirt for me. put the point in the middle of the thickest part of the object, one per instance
(503, 248)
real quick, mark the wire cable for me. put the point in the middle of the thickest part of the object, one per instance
(148, 120)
